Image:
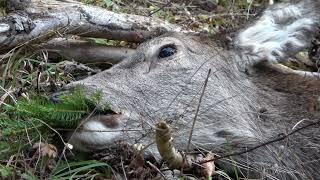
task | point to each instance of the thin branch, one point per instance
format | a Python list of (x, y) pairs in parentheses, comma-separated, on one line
[(163, 6), (124, 172), (155, 168), (89, 130), (197, 111), (264, 144), (85, 51), (249, 7)]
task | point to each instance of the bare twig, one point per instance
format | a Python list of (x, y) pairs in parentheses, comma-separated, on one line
[(265, 143), (249, 7), (124, 172), (155, 168), (197, 111), (90, 130), (7, 92), (163, 6)]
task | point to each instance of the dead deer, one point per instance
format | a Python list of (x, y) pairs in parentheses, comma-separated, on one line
[(248, 99)]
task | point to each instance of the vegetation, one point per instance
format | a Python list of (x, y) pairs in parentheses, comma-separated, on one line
[(210, 16), (28, 124), (31, 146)]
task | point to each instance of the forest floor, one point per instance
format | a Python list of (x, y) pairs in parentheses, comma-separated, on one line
[(30, 148)]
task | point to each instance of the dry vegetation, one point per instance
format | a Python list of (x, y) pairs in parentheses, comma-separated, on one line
[(33, 148)]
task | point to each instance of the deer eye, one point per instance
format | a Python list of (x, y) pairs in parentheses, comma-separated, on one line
[(167, 51)]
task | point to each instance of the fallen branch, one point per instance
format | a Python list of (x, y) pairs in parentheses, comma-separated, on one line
[(85, 51), (37, 19)]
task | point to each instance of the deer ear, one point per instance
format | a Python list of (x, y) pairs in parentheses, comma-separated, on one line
[(282, 31)]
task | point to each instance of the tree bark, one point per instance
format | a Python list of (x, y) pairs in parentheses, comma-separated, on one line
[(31, 21), (85, 51)]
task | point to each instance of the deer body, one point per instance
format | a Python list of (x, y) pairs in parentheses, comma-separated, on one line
[(245, 102)]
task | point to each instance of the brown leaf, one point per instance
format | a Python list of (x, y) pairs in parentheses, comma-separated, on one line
[(208, 167), (45, 149), (138, 161)]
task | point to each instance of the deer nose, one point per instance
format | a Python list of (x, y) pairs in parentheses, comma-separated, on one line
[(111, 121)]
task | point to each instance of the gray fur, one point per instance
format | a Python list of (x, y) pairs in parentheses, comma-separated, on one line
[(239, 109)]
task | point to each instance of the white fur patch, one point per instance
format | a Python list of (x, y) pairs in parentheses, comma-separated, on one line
[(282, 30), (83, 140)]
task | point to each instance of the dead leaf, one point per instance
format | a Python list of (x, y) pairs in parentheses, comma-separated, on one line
[(45, 149), (138, 161), (208, 167)]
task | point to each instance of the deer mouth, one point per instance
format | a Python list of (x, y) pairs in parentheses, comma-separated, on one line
[(98, 131), (109, 119), (108, 115)]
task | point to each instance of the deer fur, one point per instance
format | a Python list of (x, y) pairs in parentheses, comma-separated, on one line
[(240, 108)]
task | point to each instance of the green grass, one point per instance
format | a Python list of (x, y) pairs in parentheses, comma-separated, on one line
[(83, 169)]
